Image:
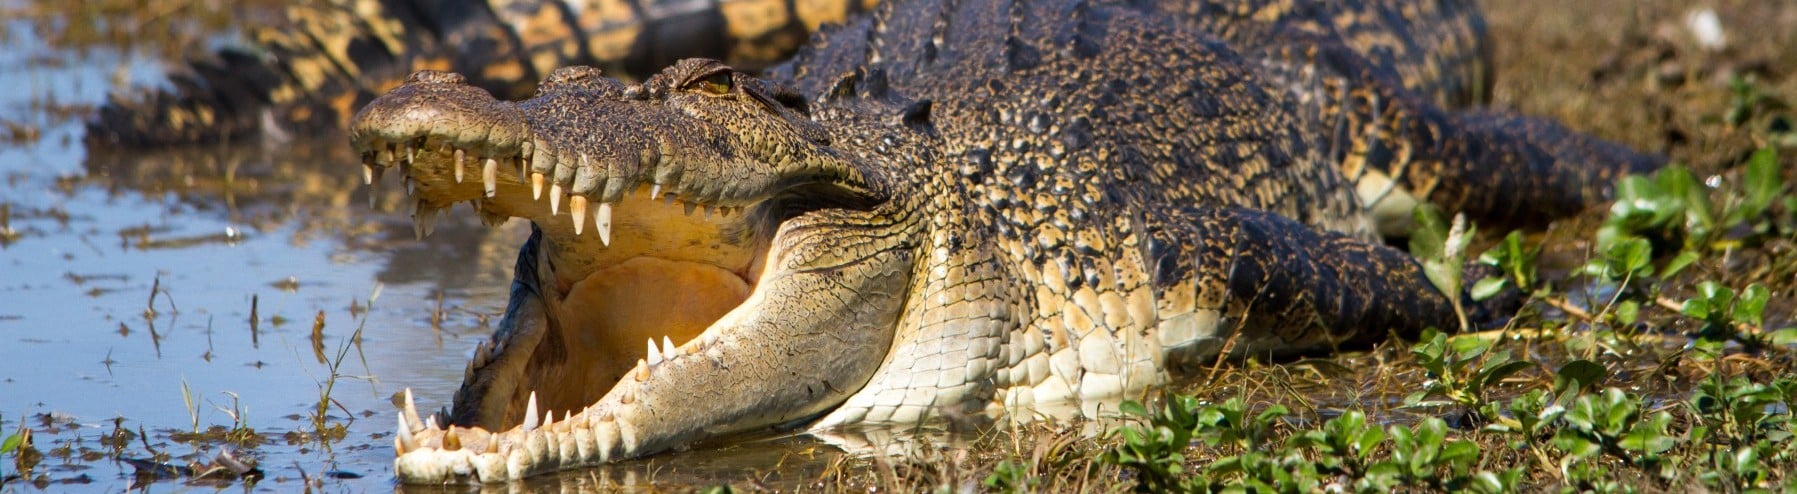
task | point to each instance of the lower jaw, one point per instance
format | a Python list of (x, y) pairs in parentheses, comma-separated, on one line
[(606, 321)]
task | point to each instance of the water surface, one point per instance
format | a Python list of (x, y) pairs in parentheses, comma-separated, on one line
[(223, 286)]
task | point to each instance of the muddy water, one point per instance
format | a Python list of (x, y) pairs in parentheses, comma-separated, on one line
[(222, 287)]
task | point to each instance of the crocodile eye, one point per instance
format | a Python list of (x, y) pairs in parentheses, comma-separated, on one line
[(718, 83)]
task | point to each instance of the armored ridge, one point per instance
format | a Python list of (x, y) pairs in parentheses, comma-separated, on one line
[(333, 56), (1018, 209)]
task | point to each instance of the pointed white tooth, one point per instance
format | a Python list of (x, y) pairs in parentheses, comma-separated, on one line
[(654, 191), (690, 207), (602, 220), (555, 199), (654, 357), (667, 347), (541, 159), (411, 154), (536, 186), (424, 220), (410, 414), (577, 209), (367, 174), (402, 438), (460, 169), (530, 413), (410, 187), (489, 177), (430, 423)]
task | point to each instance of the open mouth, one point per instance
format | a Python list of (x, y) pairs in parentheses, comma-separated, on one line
[(691, 264), (671, 269)]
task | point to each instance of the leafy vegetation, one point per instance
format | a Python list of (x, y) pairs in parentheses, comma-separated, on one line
[(1587, 426)]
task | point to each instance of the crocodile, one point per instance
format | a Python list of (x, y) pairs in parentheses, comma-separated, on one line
[(307, 73), (948, 208)]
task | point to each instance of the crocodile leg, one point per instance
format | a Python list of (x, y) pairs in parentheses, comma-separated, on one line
[(333, 56)]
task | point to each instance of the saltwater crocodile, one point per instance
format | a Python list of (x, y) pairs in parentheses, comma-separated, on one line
[(955, 207)]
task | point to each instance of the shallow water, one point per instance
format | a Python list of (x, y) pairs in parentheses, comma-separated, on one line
[(133, 281)]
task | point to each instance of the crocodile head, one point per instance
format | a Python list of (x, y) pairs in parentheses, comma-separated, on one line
[(703, 212)]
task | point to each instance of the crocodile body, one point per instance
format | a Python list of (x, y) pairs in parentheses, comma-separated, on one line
[(329, 57), (955, 207)]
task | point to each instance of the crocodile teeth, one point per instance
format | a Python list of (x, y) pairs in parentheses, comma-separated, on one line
[(410, 186), (402, 438), (459, 167), (482, 354), (668, 350), (690, 207), (602, 220), (451, 441), (642, 367), (424, 221), (409, 416), (411, 154), (577, 208), (530, 413), (654, 191), (555, 199), (367, 172), (654, 353), (540, 159), (536, 186), (489, 177)]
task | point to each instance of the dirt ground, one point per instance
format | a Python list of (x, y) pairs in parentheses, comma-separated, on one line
[(1634, 72)]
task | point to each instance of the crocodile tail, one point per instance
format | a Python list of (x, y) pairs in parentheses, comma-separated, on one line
[(332, 56)]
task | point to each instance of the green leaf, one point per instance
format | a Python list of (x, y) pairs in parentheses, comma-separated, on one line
[(1489, 287), (1428, 239), (11, 443), (1679, 262), (1751, 306), (1784, 337), (1649, 436), (1762, 181), (1681, 186), (1578, 375), (1697, 308), (1135, 408), (1628, 311), (1497, 373), (1630, 256)]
